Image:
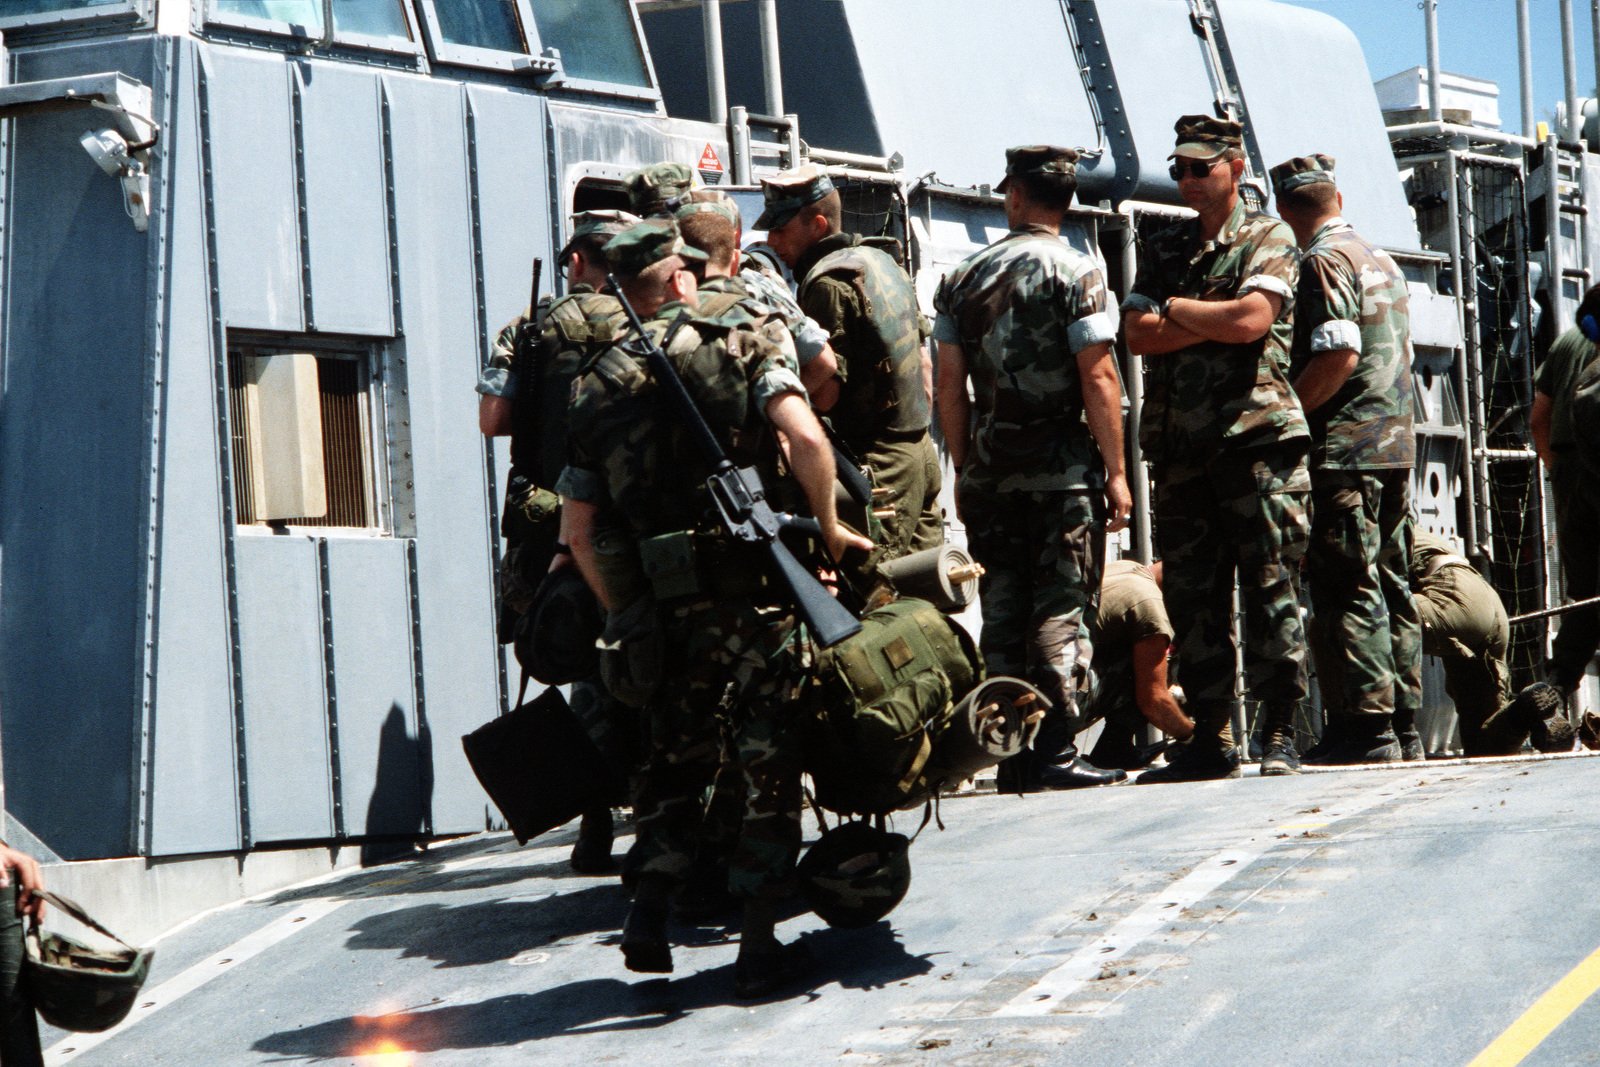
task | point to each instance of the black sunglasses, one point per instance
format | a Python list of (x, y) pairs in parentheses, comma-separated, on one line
[(1194, 168)]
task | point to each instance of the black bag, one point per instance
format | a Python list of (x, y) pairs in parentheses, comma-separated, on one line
[(539, 766)]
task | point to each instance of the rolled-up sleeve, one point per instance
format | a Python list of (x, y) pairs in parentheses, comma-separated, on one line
[(578, 483), (1140, 302), (1335, 336), (1096, 329)]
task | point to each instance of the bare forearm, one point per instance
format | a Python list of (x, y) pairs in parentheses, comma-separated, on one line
[(1233, 322), (1539, 427), (955, 407), (494, 416), (1323, 376), (577, 529), (1149, 334), (1102, 405)]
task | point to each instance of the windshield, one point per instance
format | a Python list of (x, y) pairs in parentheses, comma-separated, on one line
[(596, 39)]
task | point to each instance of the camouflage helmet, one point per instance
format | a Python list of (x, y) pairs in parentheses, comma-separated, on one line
[(855, 874), (75, 987), (555, 638)]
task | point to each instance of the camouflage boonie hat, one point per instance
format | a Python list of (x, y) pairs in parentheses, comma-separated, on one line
[(1204, 137), (658, 188), (1043, 159), (605, 224), (710, 202), (647, 243), (789, 192), (1301, 170)]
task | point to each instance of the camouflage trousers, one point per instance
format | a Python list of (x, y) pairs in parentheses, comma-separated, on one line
[(1464, 624), (1366, 637), (1237, 514), (728, 707), (1577, 519), (1043, 554), (910, 469)]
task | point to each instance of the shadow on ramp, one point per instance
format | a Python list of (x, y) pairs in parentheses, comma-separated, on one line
[(852, 959)]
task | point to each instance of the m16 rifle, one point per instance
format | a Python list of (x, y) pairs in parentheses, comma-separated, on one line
[(740, 497)]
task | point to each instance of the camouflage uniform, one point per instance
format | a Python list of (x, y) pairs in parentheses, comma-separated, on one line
[(1131, 609), (1577, 509), (1228, 440), (1032, 486), (865, 302), (731, 665), (1365, 634), (1464, 624)]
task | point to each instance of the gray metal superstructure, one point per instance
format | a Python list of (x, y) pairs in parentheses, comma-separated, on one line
[(338, 222)]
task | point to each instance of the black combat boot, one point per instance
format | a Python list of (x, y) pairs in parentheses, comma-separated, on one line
[(1278, 755), (644, 936), (1194, 761), (1071, 771), (1359, 739), (591, 853), (765, 965)]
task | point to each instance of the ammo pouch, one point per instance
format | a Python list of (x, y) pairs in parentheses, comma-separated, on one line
[(882, 701), (631, 653)]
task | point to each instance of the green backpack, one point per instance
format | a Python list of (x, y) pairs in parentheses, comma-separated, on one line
[(883, 699)]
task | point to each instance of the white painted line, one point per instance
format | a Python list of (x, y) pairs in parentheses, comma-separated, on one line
[(1085, 964), (224, 962)]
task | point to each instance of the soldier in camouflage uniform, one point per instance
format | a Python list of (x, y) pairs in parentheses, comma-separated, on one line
[(1567, 451), (710, 221), (657, 190), (529, 403), (1028, 320), (1212, 313), (865, 302), (1351, 366), (729, 662)]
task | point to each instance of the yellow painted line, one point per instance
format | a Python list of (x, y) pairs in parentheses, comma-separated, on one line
[(1547, 1013)]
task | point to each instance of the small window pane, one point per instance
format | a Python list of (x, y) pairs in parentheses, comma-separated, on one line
[(596, 38), (490, 24), (371, 18), (40, 7)]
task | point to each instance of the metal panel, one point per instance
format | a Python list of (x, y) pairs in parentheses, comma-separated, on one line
[(73, 468), (511, 180), (380, 758), (193, 803), (346, 204), (920, 76), (1160, 72), (285, 705), (1334, 112), (440, 345), (253, 185)]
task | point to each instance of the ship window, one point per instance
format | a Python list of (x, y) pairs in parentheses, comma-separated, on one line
[(368, 22), (301, 433), (498, 34), (55, 13), (598, 40)]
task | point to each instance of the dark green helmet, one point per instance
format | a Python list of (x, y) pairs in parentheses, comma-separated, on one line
[(855, 874), (554, 639), (75, 987)]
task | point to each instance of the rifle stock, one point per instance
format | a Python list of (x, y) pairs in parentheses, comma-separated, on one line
[(742, 501)]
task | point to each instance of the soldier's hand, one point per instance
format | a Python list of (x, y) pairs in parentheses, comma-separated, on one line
[(1119, 504), (840, 539), (29, 882)]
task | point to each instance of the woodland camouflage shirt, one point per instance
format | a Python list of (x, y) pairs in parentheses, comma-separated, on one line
[(1021, 310), (1215, 394), (1353, 296)]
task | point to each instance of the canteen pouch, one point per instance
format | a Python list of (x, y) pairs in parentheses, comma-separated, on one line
[(669, 563), (631, 653)]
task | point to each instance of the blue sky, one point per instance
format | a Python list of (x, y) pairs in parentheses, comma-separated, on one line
[(1476, 37)]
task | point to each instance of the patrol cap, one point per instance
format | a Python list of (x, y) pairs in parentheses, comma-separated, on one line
[(605, 224), (1042, 159), (647, 243), (711, 202), (1301, 171), (1205, 137), (790, 191), (655, 189)]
